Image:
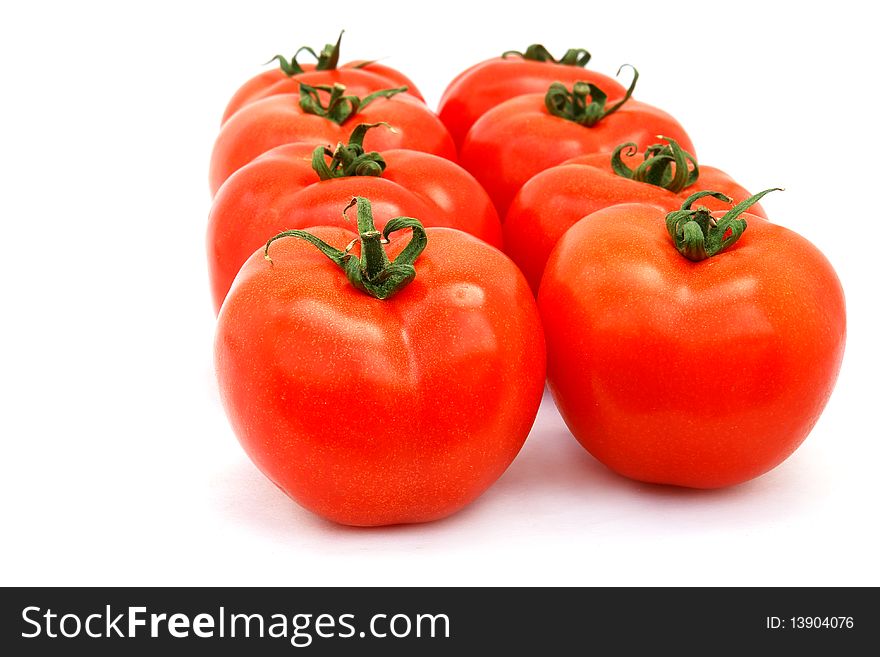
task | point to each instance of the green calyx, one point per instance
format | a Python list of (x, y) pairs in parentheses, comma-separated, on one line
[(573, 105), (372, 272), (698, 235), (327, 60), (538, 53), (340, 108), (666, 165), (351, 159)]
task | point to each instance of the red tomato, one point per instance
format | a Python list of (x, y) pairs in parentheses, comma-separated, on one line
[(694, 373), (521, 137), (375, 412), (483, 86), (359, 77), (281, 190), (284, 119), (554, 200)]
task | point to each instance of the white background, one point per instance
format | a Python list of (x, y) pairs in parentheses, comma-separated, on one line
[(118, 465)]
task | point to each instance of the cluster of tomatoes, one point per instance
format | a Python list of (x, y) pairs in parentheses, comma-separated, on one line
[(394, 287)]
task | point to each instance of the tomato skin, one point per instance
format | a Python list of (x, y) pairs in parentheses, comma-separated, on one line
[(483, 86), (395, 77), (359, 81), (553, 200), (279, 190), (372, 412), (519, 138), (702, 374), (277, 120)]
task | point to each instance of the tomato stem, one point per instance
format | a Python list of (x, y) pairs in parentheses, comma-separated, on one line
[(328, 59), (574, 106), (665, 165), (340, 108), (372, 272), (698, 235), (538, 53), (351, 159)]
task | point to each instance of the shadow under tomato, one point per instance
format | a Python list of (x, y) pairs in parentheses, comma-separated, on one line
[(246, 497), (553, 485), (555, 476)]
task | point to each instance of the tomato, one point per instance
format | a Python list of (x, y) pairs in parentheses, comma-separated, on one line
[(359, 77), (553, 200), (525, 135), (374, 411), (290, 118), (681, 370), (483, 86), (286, 188)]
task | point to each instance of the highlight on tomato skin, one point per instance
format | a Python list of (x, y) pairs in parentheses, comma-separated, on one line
[(664, 174), (678, 356), (361, 77), (519, 138), (486, 84), (325, 115), (304, 184), (380, 386)]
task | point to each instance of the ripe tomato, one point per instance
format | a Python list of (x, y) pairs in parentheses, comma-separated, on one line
[(554, 200), (290, 118), (524, 135), (483, 86), (359, 77), (287, 188), (696, 373), (372, 411)]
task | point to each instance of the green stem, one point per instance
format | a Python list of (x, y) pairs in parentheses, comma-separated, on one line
[(574, 106), (351, 159), (698, 235), (372, 272), (340, 108), (666, 165), (538, 53), (328, 59)]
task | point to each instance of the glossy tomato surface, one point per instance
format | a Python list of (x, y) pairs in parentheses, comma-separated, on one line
[(372, 412), (555, 199), (280, 190), (483, 86), (700, 374), (519, 138), (358, 81), (280, 119)]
